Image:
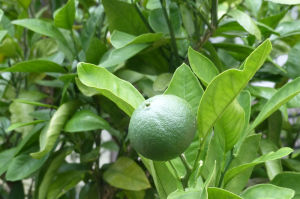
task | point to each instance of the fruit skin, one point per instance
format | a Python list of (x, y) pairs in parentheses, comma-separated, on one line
[(162, 127)]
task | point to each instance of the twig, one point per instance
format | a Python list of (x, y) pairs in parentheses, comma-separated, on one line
[(171, 31), (142, 16)]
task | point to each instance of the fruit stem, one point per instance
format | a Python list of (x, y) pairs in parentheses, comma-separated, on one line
[(175, 171), (188, 169)]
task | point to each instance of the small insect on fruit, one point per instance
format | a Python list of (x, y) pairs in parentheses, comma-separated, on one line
[(162, 127)]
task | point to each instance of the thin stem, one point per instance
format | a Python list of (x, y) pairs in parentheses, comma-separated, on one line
[(192, 6), (171, 31), (174, 169), (226, 168), (188, 169), (185, 163), (142, 16), (214, 13)]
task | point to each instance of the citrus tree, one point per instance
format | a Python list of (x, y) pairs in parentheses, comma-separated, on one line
[(149, 99)]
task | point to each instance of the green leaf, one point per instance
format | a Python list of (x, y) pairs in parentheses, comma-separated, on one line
[(24, 101), (122, 39), (36, 66), (5, 158), (202, 66), (85, 120), (216, 193), (230, 125), (165, 182), (186, 194), (23, 166), (158, 22), (22, 124), (291, 65), (247, 153), (267, 157), (161, 82), (122, 93), (120, 55), (184, 84), (21, 112), (288, 180), (214, 158), (24, 3), (64, 16), (45, 28), (2, 33), (64, 182), (224, 88), (89, 27), (267, 191), (244, 100), (127, 18), (273, 167), (283, 95), (95, 51), (126, 174), (286, 2), (50, 173), (51, 133), (246, 22)]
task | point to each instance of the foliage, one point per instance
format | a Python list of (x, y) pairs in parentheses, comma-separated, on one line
[(72, 72)]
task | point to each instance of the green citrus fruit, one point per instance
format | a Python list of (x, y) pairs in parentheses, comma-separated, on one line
[(162, 127)]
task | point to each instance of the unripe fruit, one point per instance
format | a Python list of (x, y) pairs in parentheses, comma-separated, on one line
[(162, 127)]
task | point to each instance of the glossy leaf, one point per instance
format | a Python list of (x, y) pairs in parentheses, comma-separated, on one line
[(126, 19), (246, 22), (161, 82), (121, 39), (225, 88), (247, 153), (36, 66), (21, 112), (287, 2), (122, 93), (45, 28), (24, 101), (56, 124), (268, 191), (5, 157), (289, 180), (22, 124), (267, 157), (283, 95), (184, 84), (120, 55), (126, 174), (64, 182), (230, 125), (159, 24), (214, 158), (85, 120), (202, 66), (165, 182), (216, 193), (291, 65), (244, 100), (186, 194), (64, 16), (50, 173), (273, 167), (23, 166)]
